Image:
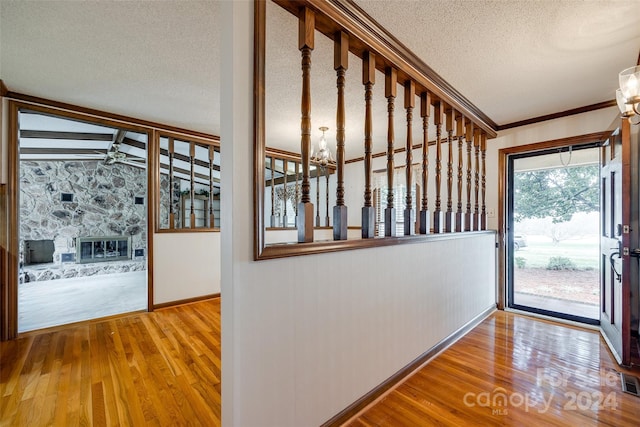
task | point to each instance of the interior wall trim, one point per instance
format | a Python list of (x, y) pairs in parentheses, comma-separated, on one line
[(396, 379), (561, 114), (105, 114), (186, 301), (3, 89), (502, 195)]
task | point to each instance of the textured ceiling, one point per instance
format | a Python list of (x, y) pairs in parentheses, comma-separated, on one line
[(159, 60), (156, 60), (519, 59)]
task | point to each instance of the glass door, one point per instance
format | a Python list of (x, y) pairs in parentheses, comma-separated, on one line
[(553, 232)]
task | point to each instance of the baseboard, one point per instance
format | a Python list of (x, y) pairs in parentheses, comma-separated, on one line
[(350, 411), (185, 301)]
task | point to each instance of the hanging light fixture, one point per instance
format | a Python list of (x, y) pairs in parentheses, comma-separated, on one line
[(323, 155), (628, 96)]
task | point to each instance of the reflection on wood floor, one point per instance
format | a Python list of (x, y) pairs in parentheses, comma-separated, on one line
[(513, 370), (163, 369), (160, 368)]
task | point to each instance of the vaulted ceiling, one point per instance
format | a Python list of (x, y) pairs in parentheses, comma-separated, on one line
[(159, 61)]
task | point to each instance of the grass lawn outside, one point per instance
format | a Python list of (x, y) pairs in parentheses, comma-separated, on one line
[(584, 252)]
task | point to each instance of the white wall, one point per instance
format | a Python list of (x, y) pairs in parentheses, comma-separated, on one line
[(304, 337), (185, 265)]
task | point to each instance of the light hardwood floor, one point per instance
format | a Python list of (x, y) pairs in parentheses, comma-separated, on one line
[(157, 369), (513, 370), (163, 369)]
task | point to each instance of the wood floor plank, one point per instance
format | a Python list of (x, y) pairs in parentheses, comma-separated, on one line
[(147, 369), (513, 370)]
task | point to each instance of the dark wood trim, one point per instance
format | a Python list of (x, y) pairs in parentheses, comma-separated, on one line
[(188, 230), (4, 270), (10, 318), (81, 136), (3, 89), (185, 301), (367, 34), (259, 148), (153, 197), (299, 249), (396, 151), (502, 194), (566, 113), (352, 410), (99, 114)]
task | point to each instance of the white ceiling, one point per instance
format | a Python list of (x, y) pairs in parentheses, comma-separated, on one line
[(158, 60)]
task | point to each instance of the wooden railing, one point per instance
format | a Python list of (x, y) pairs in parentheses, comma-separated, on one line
[(440, 105)]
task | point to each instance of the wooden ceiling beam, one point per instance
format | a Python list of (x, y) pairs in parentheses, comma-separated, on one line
[(78, 136)]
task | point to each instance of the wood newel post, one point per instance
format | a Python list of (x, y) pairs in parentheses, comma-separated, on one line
[(306, 29), (318, 171), (469, 138), (460, 128), (368, 80), (476, 205), (483, 215), (449, 216), (438, 217), (425, 107), (390, 90), (326, 192), (409, 104), (340, 64)]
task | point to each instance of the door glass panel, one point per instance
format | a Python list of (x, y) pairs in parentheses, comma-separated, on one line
[(554, 233)]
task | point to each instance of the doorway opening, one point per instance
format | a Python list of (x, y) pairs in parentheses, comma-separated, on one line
[(82, 220), (553, 232)]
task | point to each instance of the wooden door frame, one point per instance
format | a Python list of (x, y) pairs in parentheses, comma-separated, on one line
[(9, 289), (503, 154)]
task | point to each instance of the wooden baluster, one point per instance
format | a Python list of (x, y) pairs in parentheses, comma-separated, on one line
[(476, 206), (212, 221), (425, 107), (469, 138), (297, 200), (172, 215), (192, 192), (273, 192), (306, 29), (340, 64), (390, 88), (326, 191), (449, 217), (318, 172), (368, 80), (483, 215), (438, 217), (460, 134), (285, 194), (409, 104)]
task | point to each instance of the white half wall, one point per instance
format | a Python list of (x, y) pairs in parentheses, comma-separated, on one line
[(304, 337), (185, 266)]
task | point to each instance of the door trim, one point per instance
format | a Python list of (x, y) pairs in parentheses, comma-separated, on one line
[(503, 154), (9, 290)]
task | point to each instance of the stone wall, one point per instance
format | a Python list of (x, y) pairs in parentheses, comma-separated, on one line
[(103, 202)]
